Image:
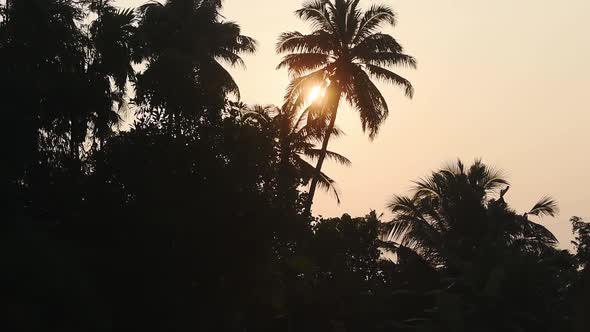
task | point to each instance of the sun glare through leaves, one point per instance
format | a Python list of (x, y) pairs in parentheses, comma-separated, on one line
[(315, 93)]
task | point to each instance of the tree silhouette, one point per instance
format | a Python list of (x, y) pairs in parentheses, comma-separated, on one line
[(183, 43), (112, 35), (194, 217), (457, 219), (342, 53), (457, 210)]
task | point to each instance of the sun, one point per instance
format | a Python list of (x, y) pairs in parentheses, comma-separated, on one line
[(314, 94)]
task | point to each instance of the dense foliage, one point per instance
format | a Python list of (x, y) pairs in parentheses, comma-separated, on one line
[(196, 218)]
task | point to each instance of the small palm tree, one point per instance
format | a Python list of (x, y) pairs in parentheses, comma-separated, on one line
[(296, 134), (455, 211), (343, 53)]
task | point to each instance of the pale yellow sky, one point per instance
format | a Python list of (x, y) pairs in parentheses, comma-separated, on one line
[(504, 80)]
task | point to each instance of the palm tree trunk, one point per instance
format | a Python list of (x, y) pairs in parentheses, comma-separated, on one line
[(332, 104)]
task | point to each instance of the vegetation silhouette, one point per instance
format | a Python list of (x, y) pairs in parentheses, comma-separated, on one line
[(196, 219)]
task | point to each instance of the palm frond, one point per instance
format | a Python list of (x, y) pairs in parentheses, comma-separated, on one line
[(228, 37), (373, 19), (388, 59), (301, 63), (218, 77), (541, 233), (377, 42), (409, 225), (316, 13), (367, 100), (546, 206), (301, 119), (318, 41), (245, 44), (324, 181), (229, 58), (391, 77), (485, 177), (126, 16), (262, 113), (428, 187), (353, 18), (530, 236), (402, 204), (316, 153), (329, 185)]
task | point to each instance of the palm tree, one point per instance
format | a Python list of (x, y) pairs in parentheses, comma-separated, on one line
[(296, 134), (342, 54), (112, 35), (456, 211), (183, 43)]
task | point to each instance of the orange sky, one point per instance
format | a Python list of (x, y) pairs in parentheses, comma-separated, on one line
[(503, 80)]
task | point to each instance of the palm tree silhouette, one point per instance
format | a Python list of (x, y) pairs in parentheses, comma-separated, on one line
[(183, 43), (112, 36), (342, 54), (455, 211), (297, 134)]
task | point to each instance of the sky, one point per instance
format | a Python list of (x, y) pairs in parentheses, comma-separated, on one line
[(506, 81)]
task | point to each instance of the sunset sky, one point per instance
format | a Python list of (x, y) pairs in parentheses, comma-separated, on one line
[(504, 80)]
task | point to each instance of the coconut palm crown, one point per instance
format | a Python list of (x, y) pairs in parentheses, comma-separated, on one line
[(458, 213)]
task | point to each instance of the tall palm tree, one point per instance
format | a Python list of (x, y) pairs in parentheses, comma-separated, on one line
[(297, 134), (455, 211), (343, 53), (184, 43)]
